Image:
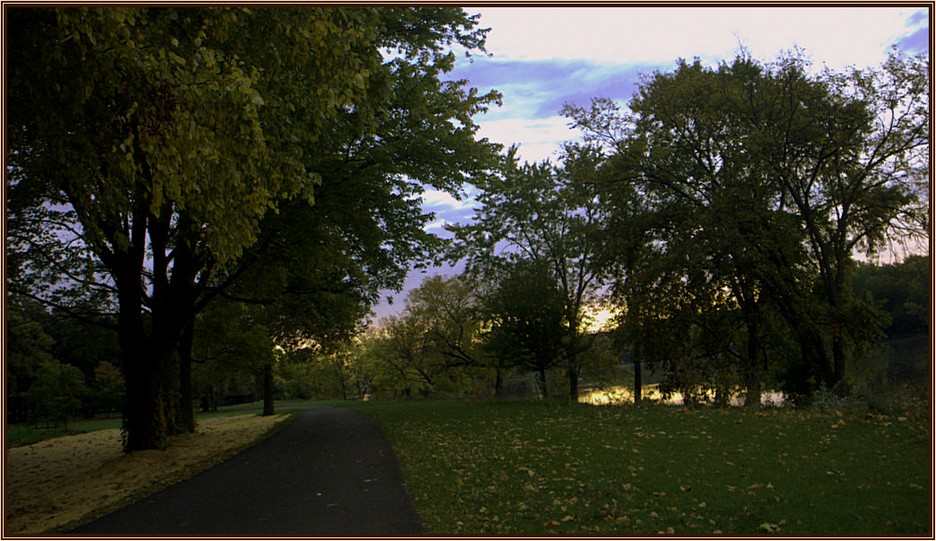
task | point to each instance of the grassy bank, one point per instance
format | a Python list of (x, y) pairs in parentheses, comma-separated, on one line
[(537, 468), (27, 433)]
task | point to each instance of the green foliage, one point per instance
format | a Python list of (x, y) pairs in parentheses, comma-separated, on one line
[(550, 215), (527, 313), (27, 350), (83, 344), (57, 392), (741, 192), (177, 136), (322, 374), (107, 390), (538, 468), (230, 350), (448, 309), (434, 347), (901, 288)]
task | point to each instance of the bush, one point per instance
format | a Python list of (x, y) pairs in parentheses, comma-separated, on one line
[(57, 392)]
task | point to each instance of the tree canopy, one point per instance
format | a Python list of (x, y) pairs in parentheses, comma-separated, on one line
[(753, 185), (147, 180)]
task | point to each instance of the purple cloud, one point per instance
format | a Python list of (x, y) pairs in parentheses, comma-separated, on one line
[(918, 42), (545, 85)]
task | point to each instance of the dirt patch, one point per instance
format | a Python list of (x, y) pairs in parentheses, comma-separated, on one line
[(57, 484)]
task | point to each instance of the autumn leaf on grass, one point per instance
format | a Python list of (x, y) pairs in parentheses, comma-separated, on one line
[(770, 527)]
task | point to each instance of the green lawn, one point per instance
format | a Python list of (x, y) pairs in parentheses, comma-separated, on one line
[(537, 468), (24, 434)]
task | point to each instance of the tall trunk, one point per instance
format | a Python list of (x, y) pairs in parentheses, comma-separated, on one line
[(542, 380), (838, 358), (145, 424), (572, 350), (753, 374), (208, 399), (144, 362), (498, 382), (752, 319), (838, 294), (638, 382), (268, 406), (185, 413), (343, 383), (813, 351)]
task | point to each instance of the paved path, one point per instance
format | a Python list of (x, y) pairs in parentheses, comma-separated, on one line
[(330, 472)]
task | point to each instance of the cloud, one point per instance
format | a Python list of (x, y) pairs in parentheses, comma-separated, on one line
[(539, 138), (836, 36), (539, 88), (917, 42), (546, 57), (439, 201), (447, 210)]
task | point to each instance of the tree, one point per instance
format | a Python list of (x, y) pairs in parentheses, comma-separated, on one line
[(230, 352), (704, 208), (546, 214), (850, 152), (108, 388), (448, 309), (527, 312), (57, 392), (28, 348), (761, 181), (901, 288), (175, 137)]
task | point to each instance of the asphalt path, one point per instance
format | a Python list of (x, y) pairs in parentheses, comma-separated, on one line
[(329, 472)]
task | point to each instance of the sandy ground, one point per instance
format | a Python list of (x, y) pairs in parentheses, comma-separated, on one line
[(56, 484)]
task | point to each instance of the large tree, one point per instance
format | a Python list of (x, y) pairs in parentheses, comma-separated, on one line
[(762, 181), (526, 314), (850, 153), (550, 215), (147, 177)]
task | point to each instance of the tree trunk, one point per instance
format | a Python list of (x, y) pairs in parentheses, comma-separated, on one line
[(498, 383), (573, 384), (638, 382), (145, 425), (752, 398), (542, 379), (185, 413), (145, 362), (838, 359), (268, 406)]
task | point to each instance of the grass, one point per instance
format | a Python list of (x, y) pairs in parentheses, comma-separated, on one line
[(536, 468), (27, 433), (541, 468)]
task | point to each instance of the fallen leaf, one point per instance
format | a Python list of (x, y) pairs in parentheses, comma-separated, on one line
[(770, 527)]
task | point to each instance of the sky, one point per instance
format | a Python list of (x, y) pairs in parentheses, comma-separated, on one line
[(543, 57)]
